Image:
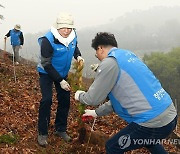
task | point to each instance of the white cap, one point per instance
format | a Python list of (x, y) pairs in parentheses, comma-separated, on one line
[(64, 20)]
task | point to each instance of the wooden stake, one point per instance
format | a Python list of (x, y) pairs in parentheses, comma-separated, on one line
[(80, 71), (4, 54)]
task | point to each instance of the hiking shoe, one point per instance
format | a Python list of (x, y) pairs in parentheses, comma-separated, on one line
[(64, 135), (42, 140)]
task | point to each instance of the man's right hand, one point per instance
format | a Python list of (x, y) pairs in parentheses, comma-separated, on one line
[(65, 85), (5, 37), (78, 92)]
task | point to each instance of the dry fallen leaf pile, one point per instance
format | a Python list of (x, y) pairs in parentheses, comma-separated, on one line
[(19, 102)]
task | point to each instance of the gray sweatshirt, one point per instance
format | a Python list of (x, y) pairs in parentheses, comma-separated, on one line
[(105, 79)]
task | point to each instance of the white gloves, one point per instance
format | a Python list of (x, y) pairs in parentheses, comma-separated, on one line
[(5, 37), (78, 92), (90, 113), (94, 67), (20, 47), (79, 58), (65, 85)]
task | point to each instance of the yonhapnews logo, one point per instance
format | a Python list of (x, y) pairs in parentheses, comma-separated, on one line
[(124, 141)]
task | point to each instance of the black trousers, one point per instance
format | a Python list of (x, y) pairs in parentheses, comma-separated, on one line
[(135, 136), (63, 97)]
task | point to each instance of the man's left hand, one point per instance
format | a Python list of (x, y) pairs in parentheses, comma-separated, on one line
[(90, 113)]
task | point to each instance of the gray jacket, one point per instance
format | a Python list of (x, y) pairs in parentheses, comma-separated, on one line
[(105, 79)]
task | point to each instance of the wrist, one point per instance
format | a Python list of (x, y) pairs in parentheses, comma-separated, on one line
[(95, 113), (98, 113)]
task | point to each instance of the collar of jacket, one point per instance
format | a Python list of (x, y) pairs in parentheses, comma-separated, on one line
[(62, 40)]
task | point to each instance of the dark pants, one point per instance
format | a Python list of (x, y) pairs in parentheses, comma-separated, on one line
[(63, 97), (135, 136)]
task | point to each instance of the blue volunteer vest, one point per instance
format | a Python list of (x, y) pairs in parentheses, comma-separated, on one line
[(62, 55), (137, 95), (15, 40)]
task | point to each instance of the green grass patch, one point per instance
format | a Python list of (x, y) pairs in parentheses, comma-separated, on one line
[(9, 138)]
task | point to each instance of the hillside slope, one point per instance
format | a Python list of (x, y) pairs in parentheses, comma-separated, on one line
[(19, 103)]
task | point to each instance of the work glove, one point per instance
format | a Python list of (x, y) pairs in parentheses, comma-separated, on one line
[(5, 37), (94, 67), (20, 47), (90, 113), (65, 85), (78, 92), (79, 58)]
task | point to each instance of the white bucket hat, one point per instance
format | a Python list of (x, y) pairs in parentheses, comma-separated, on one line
[(64, 20), (17, 27)]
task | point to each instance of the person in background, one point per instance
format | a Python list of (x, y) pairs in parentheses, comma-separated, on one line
[(134, 93), (58, 47), (17, 41)]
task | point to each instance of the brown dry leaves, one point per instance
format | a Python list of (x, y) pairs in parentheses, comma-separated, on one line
[(19, 104)]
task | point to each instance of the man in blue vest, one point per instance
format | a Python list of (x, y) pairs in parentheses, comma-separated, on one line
[(134, 93), (17, 41), (58, 47)]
